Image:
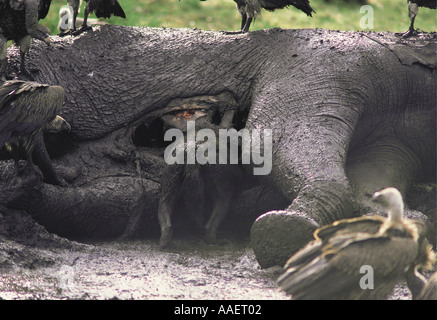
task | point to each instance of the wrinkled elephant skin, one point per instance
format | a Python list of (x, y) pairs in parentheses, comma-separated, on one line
[(351, 112)]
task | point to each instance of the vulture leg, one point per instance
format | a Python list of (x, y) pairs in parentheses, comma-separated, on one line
[(3, 58), (72, 30), (243, 21), (85, 26), (42, 159), (413, 9), (24, 44), (30, 167), (247, 25), (16, 158), (75, 6)]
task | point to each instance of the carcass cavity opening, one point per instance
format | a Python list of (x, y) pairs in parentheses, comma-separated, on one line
[(150, 135), (207, 111), (58, 144)]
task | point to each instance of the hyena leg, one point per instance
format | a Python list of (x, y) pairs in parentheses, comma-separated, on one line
[(164, 218), (170, 184), (219, 213)]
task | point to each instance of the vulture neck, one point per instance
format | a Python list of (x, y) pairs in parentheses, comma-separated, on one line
[(396, 212), (395, 221)]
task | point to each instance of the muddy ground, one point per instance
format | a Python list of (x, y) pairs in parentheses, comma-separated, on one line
[(137, 269), (36, 264)]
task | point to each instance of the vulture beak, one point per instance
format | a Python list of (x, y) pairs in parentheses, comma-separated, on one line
[(378, 198)]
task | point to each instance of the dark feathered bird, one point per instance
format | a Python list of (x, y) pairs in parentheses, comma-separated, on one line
[(413, 9), (330, 267), (250, 9), (19, 22), (27, 108), (101, 8)]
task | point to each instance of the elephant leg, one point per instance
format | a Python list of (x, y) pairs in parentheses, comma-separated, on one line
[(384, 163), (309, 166)]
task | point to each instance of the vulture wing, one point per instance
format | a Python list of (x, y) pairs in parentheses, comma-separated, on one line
[(303, 5), (335, 273), (26, 106), (44, 7)]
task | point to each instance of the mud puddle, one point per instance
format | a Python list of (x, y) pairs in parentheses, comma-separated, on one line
[(139, 270)]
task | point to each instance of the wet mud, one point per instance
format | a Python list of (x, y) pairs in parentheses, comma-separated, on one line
[(139, 270), (134, 270)]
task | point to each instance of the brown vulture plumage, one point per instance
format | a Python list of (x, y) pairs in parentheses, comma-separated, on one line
[(101, 8), (250, 9), (19, 22), (26, 109), (330, 267)]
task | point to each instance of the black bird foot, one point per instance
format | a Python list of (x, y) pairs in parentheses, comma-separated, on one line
[(81, 30), (234, 32), (67, 33), (409, 33)]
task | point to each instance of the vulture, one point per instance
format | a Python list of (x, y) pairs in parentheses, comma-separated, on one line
[(101, 8), (19, 22), (26, 109), (250, 9), (413, 9), (360, 258)]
